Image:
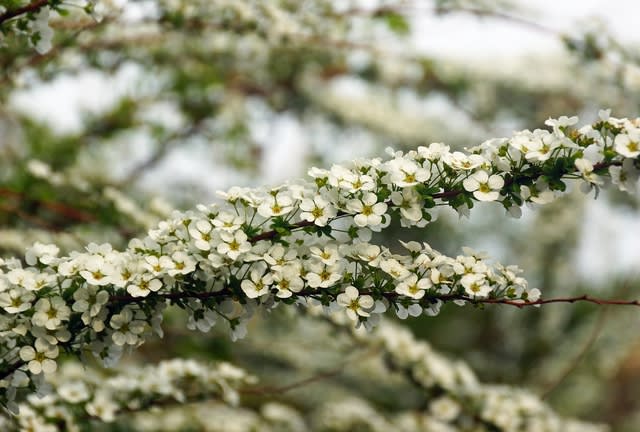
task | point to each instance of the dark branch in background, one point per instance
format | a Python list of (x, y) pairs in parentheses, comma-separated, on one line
[(319, 376), (162, 150), (595, 332), (56, 207), (30, 8)]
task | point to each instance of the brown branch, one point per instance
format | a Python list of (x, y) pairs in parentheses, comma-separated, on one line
[(391, 295), (56, 207), (11, 369), (485, 13), (269, 390), (595, 332), (31, 7)]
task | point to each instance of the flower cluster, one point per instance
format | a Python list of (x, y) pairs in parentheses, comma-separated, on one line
[(455, 399), (300, 242), (78, 394), (458, 398), (31, 19)]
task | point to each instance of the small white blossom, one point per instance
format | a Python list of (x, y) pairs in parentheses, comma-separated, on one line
[(258, 284), (628, 144), (275, 205), (368, 210), (127, 329), (50, 312), (475, 285), (317, 210), (413, 287), (406, 173), (355, 304), (16, 300), (233, 244), (40, 357), (484, 186)]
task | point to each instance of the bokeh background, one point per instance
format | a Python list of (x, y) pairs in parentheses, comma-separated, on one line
[(160, 103)]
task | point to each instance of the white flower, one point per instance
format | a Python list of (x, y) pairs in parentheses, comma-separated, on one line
[(278, 257), (585, 167), (125, 271), (45, 253), (200, 318), (434, 151), (200, 231), (410, 204), (143, 284), (238, 331), (483, 186), (22, 278), (369, 253), (182, 264), (233, 244), (413, 287), (50, 312), (538, 193), (394, 268), (368, 210), (258, 284), (287, 281), (625, 177), (460, 161), (103, 407), (628, 144), (40, 357), (323, 276), (89, 300), (563, 121), (414, 310), (541, 148), (317, 210), (354, 303), (275, 205), (97, 271), (475, 285), (157, 265), (127, 330), (329, 255), (444, 409), (73, 392), (405, 173), (227, 221), (42, 31), (352, 182), (16, 300)]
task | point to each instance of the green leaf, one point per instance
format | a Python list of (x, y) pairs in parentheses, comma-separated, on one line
[(397, 23)]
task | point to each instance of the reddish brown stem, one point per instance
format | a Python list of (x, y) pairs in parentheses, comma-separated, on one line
[(31, 7)]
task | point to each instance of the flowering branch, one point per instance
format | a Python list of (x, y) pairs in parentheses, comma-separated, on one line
[(305, 242), (455, 397), (84, 394)]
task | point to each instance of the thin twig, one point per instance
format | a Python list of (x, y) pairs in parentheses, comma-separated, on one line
[(31, 7), (595, 333), (268, 390)]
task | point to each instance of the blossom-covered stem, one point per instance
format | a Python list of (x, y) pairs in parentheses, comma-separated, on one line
[(444, 195), (125, 299), (218, 260)]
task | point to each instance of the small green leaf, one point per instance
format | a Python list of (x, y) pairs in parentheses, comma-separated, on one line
[(397, 23)]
